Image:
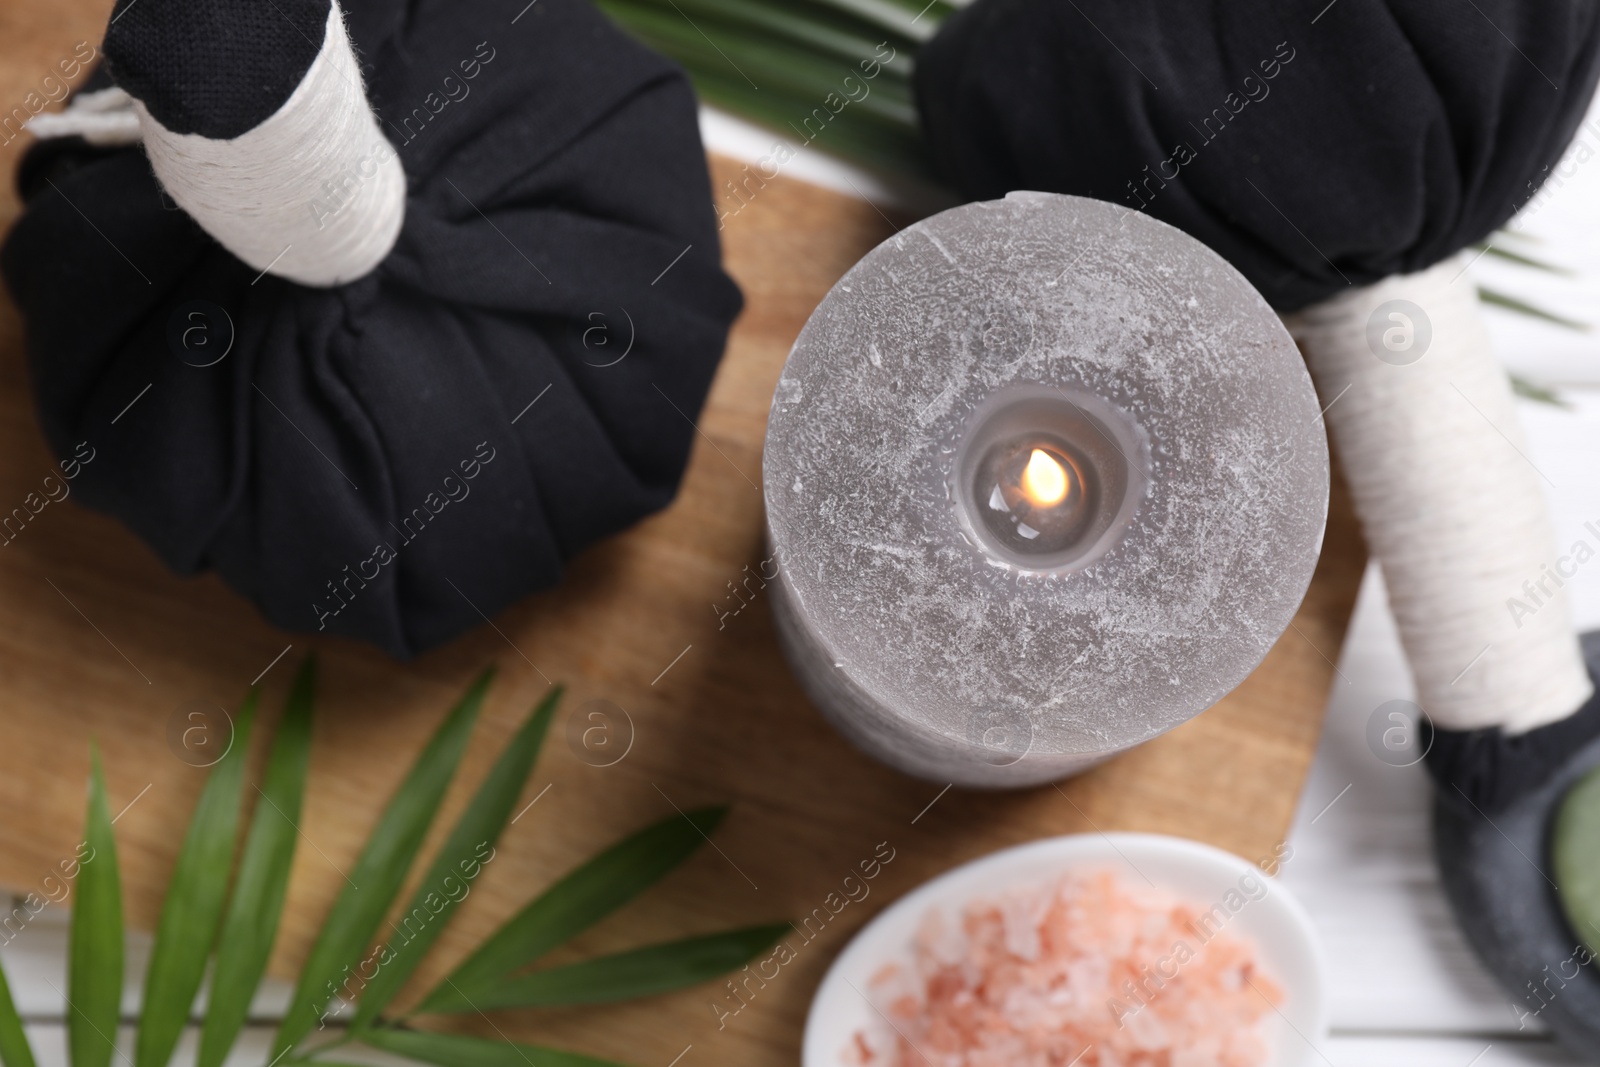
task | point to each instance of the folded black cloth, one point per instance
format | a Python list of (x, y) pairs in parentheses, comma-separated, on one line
[(1313, 145), (396, 458), (1486, 772)]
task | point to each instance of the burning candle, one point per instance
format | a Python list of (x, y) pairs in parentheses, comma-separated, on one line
[(1044, 479), (1046, 475)]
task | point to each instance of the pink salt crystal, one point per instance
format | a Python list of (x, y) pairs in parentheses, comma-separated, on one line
[(1089, 970)]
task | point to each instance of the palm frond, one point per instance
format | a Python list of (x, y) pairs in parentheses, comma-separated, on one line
[(251, 924), (459, 861), (14, 1048), (94, 952), (372, 884), (1538, 393), (1495, 298), (575, 903), (203, 923), (192, 912)]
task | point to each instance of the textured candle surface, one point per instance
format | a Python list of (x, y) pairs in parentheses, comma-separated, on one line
[(919, 643)]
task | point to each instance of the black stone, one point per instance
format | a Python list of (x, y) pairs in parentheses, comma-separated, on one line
[(1500, 882)]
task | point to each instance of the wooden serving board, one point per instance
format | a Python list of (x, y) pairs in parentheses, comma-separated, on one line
[(98, 641)]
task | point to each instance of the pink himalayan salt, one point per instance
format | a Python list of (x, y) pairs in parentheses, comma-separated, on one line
[(1091, 971)]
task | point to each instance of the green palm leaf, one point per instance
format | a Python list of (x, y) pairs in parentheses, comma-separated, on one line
[(821, 32), (909, 19), (705, 46), (1542, 394), (193, 907), (479, 827), (449, 1050), (892, 149), (14, 1048), (1495, 298), (251, 923), (193, 920), (1524, 260), (94, 955), (375, 880), (578, 901), (800, 52), (643, 972)]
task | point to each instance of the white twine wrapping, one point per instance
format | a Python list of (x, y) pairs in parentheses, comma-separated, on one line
[(104, 117), (315, 194), (1450, 502)]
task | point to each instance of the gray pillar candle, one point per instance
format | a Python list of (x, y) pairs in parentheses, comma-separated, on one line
[(1044, 479)]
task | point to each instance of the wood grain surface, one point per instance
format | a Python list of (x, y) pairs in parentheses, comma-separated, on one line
[(98, 641)]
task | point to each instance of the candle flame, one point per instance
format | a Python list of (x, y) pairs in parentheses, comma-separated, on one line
[(1044, 481)]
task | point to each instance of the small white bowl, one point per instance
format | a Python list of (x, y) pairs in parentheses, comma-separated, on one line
[(1275, 923)]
